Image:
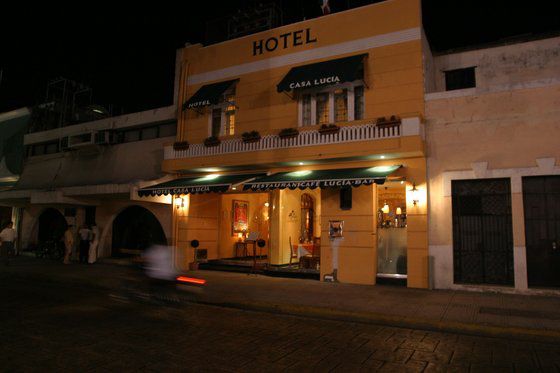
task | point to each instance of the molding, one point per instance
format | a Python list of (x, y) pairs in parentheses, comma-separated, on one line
[(309, 55), (545, 166), (479, 91)]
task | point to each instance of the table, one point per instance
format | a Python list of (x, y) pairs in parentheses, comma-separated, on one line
[(241, 245), (305, 249)]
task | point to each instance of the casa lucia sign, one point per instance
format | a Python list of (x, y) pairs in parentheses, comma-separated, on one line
[(315, 82)]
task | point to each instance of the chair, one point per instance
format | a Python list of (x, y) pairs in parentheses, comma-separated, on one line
[(293, 253), (316, 246)]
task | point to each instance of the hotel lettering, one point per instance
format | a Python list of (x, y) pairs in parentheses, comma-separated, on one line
[(284, 41)]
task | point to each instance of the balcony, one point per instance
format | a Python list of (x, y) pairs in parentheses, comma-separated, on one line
[(308, 143), (311, 137)]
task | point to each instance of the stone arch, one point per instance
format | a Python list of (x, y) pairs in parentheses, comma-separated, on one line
[(50, 225), (134, 229)]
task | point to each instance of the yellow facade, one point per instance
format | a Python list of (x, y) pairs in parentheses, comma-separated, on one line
[(390, 34)]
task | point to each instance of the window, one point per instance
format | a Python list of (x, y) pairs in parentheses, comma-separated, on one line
[(342, 103), (460, 79), (222, 115), (166, 130), (131, 135), (230, 116), (322, 114), (216, 122), (149, 133), (358, 102), (306, 110)]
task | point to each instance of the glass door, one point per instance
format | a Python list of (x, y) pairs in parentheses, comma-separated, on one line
[(391, 231)]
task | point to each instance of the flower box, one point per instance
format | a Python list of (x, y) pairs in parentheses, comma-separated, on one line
[(391, 122), (288, 133), (252, 136), (212, 141), (180, 145), (328, 129)]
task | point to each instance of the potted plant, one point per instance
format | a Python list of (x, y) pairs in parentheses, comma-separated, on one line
[(326, 129), (252, 136), (212, 141), (384, 122), (288, 133), (180, 145)]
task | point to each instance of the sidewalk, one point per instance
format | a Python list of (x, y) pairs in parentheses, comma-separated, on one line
[(527, 317)]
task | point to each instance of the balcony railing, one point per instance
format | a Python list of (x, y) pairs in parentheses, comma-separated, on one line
[(346, 134)]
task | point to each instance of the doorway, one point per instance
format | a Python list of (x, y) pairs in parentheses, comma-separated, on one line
[(482, 232), (391, 233), (541, 202), (134, 230), (52, 225)]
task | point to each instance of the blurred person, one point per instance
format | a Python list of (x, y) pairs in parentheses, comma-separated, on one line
[(7, 239), (85, 238), (159, 263), (68, 244), (92, 255)]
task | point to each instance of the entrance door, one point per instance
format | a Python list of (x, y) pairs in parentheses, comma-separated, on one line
[(482, 232), (541, 201)]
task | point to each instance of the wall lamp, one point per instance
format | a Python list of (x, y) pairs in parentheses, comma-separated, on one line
[(415, 194), (179, 202)]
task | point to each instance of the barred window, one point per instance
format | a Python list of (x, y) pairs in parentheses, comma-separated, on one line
[(341, 105), (322, 108)]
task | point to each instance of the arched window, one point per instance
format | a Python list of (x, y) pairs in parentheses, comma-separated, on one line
[(306, 230)]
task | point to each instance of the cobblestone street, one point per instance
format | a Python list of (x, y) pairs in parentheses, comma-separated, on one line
[(65, 327)]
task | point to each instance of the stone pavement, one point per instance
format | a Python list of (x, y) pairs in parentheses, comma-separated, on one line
[(528, 317), (72, 326)]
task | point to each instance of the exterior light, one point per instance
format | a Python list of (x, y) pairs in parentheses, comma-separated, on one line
[(210, 177), (301, 173), (179, 202), (415, 194)]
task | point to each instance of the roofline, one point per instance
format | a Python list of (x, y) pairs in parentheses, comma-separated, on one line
[(516, 39)]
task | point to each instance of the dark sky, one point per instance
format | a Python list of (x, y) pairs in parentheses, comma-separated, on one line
[(127, 55)]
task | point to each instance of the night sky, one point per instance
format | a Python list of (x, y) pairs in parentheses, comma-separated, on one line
[(127, 56)]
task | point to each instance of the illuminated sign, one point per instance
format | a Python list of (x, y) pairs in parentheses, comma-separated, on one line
[(284, 41)]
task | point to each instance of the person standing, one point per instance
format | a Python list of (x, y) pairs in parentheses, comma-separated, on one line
[(68, 244), (7, 239), (85, 237), (92, 257)]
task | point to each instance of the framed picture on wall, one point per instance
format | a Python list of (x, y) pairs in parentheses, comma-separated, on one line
[(240, 212)]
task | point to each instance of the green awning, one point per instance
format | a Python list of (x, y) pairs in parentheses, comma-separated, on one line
[(193, 185), (209, 94), (338, 178), (319, 74)]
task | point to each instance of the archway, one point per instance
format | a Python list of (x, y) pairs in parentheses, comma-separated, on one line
[(135, 229), (52, 225)]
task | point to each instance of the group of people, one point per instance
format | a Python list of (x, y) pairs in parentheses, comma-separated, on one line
[(87, 248), (8, 237)]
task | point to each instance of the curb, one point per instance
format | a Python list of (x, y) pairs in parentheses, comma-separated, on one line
[(492, 331)]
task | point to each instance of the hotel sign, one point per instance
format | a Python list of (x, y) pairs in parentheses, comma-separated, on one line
[(315, 82), (283, 41)]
